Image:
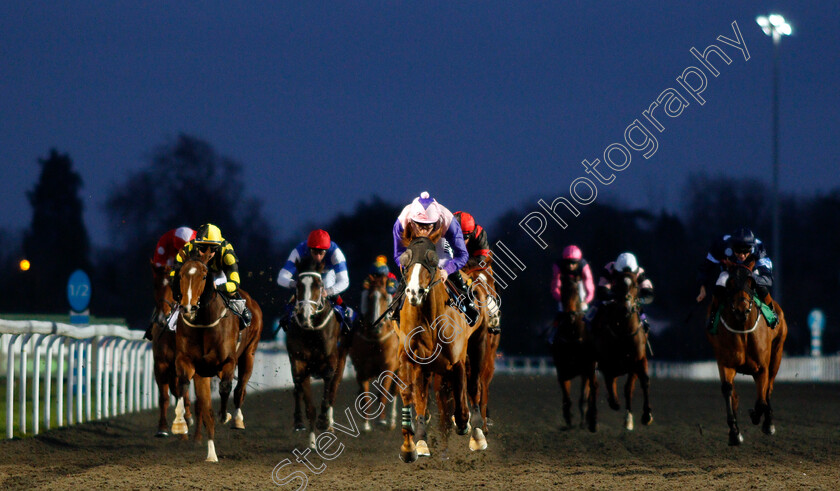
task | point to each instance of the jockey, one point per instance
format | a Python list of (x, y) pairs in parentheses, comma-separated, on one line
[(425, 217), (740, 247), (573, 264), (169, 244), (336, 279), (222, 263), (378, 268), (625, 262), (165, 251), (478, 248)]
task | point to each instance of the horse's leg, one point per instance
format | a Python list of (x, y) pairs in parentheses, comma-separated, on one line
[(462, 413), (584, 397), (383, 399), (300, 378), (612, 392), (185, 372), (592, 402), (325, 422), (644, 381), (727, 377), (421, 401), (364, 386), (408, 450), (566, 388), (486, 377), (246, 366), (162, 380), (761, 406), (628, 399), (775, 360), (225, 387), (204, 409)]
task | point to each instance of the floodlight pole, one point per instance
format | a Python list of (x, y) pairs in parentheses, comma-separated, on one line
[(777, 242)]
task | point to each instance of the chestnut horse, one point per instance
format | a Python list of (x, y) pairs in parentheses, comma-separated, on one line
[(433, 341), (374, 349), (482, 347), (208, 343), (747, 345), (163, 349), (573, 352), (620, 347), (316, 347)]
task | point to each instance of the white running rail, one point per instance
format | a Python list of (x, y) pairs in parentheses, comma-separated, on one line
[(100, 371)]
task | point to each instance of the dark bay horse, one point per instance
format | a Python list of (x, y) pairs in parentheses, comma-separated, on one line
[(374, 349), (433, 341), (163, 349), (573, 352), (744, 343), (313, 340), (208, 344), (620, 347)]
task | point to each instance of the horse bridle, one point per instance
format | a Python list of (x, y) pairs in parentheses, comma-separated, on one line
[(750, 304), (198, 306), (318, 307), (432, 270)]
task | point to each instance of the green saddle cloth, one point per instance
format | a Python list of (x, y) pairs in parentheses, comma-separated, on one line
[(766, 311)]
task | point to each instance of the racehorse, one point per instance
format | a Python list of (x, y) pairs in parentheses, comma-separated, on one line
[(163, 349), (482, 346), (374, 349), (433, 339), (620, 347), (573, 352), (208, 343), (316, 347), (747, 345)]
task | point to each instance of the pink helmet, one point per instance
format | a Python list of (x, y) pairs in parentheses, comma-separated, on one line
[(424, 209), (572, 252)]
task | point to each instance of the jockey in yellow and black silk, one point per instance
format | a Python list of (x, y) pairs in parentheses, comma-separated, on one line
[(223, 264)]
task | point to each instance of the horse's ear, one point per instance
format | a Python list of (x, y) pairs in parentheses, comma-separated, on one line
[(431, 257), (405, 258)]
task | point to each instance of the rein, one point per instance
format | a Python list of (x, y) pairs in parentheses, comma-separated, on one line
[(319, 306), (212, 324)]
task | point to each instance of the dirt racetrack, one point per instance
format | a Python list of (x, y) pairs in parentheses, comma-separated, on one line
[(684, 448)]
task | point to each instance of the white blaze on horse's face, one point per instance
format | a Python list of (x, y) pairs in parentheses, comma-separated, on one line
[(413, 290), (376, 296), (627, 303), (306, 282)]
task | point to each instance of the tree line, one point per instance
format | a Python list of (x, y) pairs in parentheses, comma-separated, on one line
[(202, 186)]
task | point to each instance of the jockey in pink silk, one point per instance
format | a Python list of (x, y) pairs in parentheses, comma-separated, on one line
[(573, 264)]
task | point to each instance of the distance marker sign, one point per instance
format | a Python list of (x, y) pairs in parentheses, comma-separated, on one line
[(78, 291)]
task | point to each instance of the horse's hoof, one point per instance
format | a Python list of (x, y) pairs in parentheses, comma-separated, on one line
[(383, 422), (321, 424), (238, 424), (312, 440), (408, 457), (179, 428), (614, 405), (422, 449), (769, 430), (593, 427), (211, 452), (226, 419), (477, 440), (647, 419), (162, 434), (755, 416), (300, 427), (735, 439), (628, 421), (367, 428), (464, 430), (191, 421)]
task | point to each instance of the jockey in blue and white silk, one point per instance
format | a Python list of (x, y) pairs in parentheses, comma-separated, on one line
[(336, 279)]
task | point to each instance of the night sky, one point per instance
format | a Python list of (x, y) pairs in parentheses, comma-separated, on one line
[(488, 105)]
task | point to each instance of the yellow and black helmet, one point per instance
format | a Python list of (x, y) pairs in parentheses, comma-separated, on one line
[(209, 234)]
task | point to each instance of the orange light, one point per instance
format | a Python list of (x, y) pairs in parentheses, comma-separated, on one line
[(24, 265)]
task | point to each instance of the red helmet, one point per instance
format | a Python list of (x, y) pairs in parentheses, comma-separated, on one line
[(318, 239), (467, 222), (572, 252)]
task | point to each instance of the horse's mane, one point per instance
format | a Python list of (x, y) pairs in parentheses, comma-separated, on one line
[(410, 233), (740, 277), (309, 263)]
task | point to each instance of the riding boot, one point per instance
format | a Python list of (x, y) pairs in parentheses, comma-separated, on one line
[(286, 315), (463, 301), (238, 306), (148, 333), (717, 295)]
